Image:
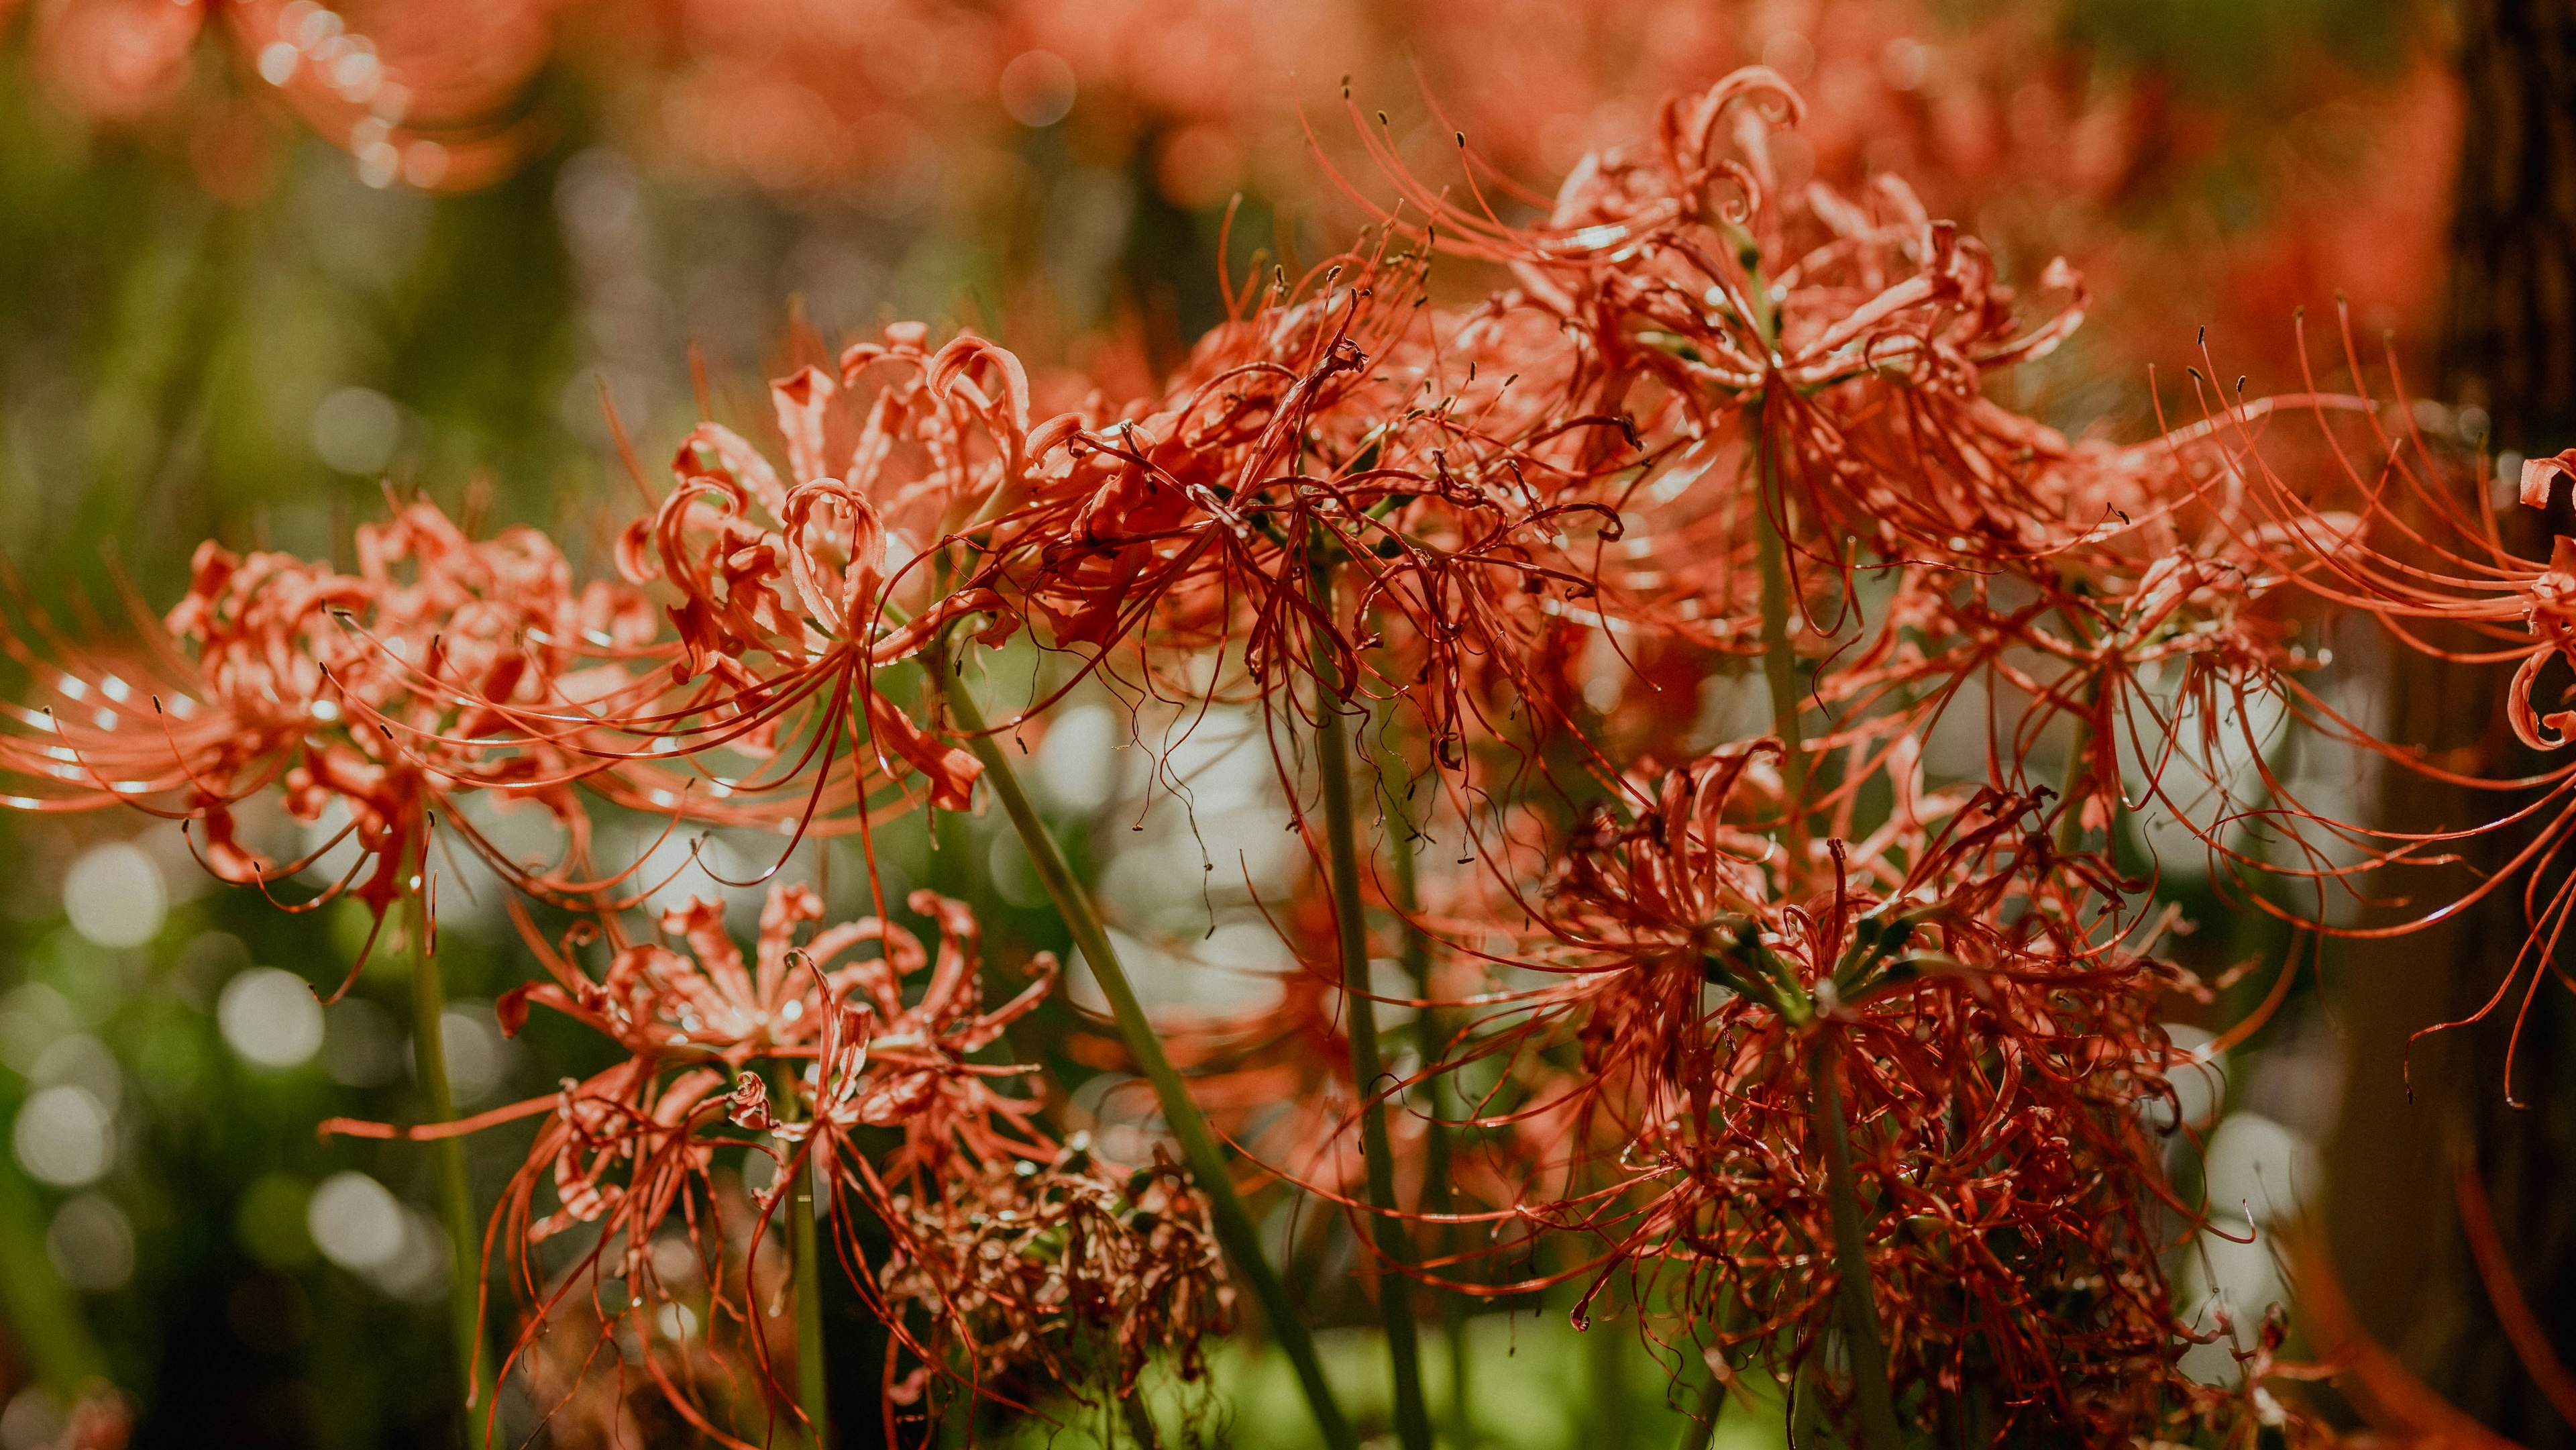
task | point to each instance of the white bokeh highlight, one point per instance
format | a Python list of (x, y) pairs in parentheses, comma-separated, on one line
[(91, 1245), (359, 1225), (115, 896), (2259, 1169), (270, 1018), (64, 1136), (355, 430)]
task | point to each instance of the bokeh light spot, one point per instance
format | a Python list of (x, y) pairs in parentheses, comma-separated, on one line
[(115, 896), (270, 1017), (1037, 88)]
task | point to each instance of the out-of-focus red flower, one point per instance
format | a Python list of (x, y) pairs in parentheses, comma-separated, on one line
[(433, 97), (115, 61)]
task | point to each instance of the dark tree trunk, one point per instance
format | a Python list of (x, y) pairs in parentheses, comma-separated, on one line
[(2509, 337), (2509, 347)]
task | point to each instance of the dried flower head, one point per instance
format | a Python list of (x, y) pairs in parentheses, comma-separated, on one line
[(1039, 1276)]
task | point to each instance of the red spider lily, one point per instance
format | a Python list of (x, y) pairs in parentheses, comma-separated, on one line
[(629, 1153), (1712, 414), (1339, 469), (382, 693), (1997, 1042), (2420, 552), (1191, 519), (877, 1061), (1808, 367), (1828, 352), (793, 597), (884, 1062), (656, 1001), (624, 1151), (1825, 484)]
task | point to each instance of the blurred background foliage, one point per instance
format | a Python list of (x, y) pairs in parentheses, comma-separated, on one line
[(254, 348)]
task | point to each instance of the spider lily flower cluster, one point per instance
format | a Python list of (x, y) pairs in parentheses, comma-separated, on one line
[(1847, 1068), (374, 701), (1996, 1060)]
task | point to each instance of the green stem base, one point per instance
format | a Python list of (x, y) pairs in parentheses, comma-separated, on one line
[(474, 1366), (1851, 1258), (1341, 844), (1232, 1221)]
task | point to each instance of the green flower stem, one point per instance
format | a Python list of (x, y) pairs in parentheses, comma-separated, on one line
[(43, 1312), (1851, 1245), (1341, 844), (1701, 1427), (1140, 1421), (2070, 821), (1233, 1223), (1779, 657), (812, 1396), (1851, 1256), (1430, 1029), (455, 1191), (1606, 1369)]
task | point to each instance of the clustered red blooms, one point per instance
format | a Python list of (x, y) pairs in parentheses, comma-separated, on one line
[(1709, 423), (373, 702), (1997, 1064), (876, 1095)]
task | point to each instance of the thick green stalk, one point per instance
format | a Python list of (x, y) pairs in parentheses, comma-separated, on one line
[(2070, 821), (43, 1313), (1232, 1221), (1702, 1425), (455, 1191), (1341, 845), (1430, 1035), (1851, 1256), (1140, 1421), (811, 1394), (1606, 1374), (1779, 657)]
